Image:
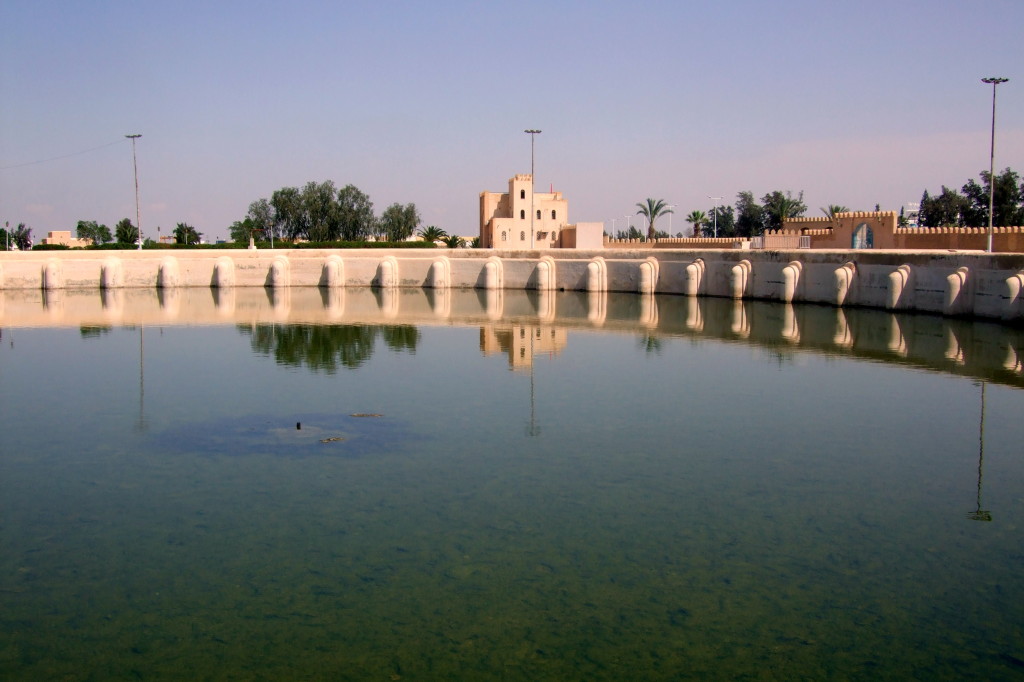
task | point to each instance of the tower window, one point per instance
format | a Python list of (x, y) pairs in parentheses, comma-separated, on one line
[(522, 215), (522, 194), (538, 214), (504, 235), (552, 215), (522, 236)]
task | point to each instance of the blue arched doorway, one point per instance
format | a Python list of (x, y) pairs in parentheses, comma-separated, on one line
[(863, 237)]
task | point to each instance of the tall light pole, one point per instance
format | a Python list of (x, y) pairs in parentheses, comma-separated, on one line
[(670, 208), (533, 133), (715, 213), (135, 166), (629, 224), (992, 158)]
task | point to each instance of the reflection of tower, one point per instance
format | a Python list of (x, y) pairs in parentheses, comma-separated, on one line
[(532, 429), (521, 342), (980, 514)]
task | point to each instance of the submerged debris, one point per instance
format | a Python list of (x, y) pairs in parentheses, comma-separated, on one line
[(366, 414), (332, 439)]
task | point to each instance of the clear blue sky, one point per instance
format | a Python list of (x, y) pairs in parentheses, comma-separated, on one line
[(853, 103)]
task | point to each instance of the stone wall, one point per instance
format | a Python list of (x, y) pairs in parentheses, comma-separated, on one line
[(956, 284)]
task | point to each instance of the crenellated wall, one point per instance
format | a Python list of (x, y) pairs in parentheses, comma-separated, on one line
[(955, 284)]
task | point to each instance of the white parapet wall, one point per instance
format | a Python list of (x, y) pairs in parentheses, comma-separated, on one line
[(971, 284)]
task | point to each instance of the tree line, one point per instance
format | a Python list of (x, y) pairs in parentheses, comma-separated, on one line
[(125, 232), (950, 208), (19, 238), (969, 206), (749, 218), (321, 212)]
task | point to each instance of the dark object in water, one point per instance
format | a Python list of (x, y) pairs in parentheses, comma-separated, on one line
[(264, 434), (366, 414)]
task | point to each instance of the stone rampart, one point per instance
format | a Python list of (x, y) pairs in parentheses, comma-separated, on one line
[(954, 284)]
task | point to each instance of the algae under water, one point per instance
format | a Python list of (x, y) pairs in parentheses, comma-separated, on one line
[(603, 505)]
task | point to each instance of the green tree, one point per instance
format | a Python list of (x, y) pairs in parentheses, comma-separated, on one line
[(779, 206), (186, 234), (1008, 200), (90, 229), (241, 230), (631, 233), (723, 221), (832, 210), (432, 233), (289, 216), (125, 232), (261, 219), (21, 237), (357, 220), (945, 210), (750, 215), (698, 219), (652, 209), (322, 218), (399, 222)]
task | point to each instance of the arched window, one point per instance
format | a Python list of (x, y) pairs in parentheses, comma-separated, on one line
[(538, 214), (522, 215), (522, 236), (522, 194), (552, 214), (504, 236)]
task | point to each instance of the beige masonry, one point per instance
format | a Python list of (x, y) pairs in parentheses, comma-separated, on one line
[(958, 284)]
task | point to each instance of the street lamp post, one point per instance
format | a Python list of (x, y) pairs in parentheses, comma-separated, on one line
[(715, 213), (533, 133), (629, 225), (135, 167), (992, 158), (670, 207)]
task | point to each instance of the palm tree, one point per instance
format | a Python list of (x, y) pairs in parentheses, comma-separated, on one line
[(778, 207), (432, 233), (454, 241), (21, 237), (832, 210), (697, 219), (186, 234), (651, 210)]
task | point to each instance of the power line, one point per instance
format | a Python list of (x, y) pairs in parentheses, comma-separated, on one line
[(64, 156)]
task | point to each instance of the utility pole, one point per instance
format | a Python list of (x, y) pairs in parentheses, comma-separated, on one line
[(135, 166), (533, 133), (992, 158), (715, 213)]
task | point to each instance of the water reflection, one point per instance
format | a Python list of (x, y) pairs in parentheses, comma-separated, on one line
[(327, 348), (589, 486), (283, 322)]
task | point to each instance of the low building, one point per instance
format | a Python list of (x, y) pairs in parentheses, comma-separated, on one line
[(524, 219), (64, 238)]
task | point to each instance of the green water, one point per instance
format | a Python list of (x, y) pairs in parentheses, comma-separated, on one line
[(634, 504)]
